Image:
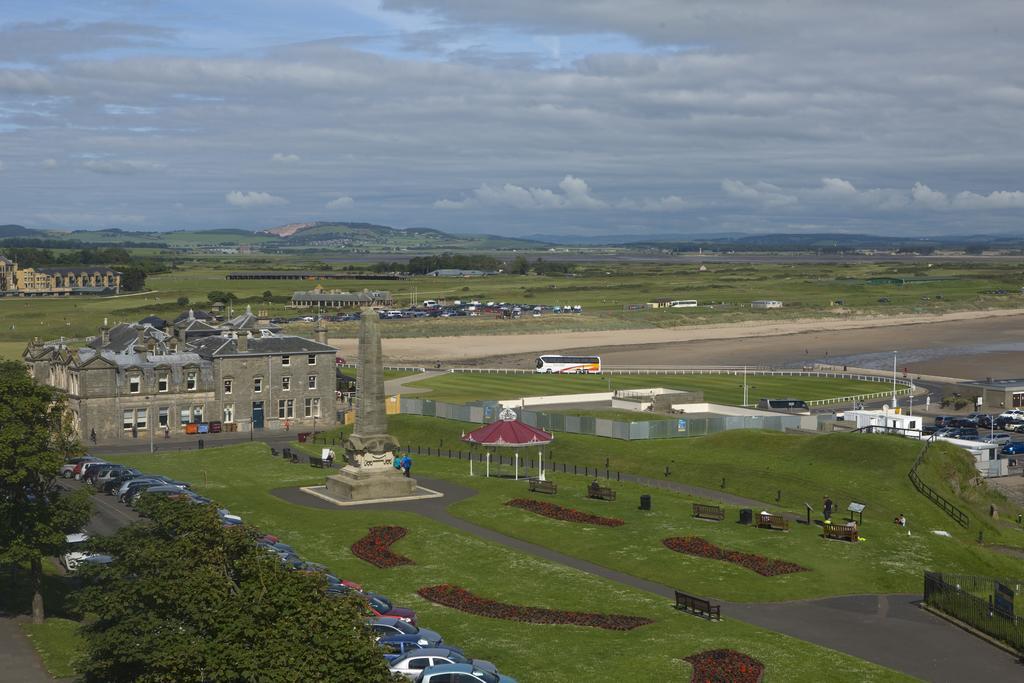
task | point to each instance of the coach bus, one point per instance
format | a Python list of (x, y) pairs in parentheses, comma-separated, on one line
[(584, 365), (683, 303)]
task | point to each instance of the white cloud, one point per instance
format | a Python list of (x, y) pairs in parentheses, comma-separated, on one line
[(49, 163), (121, 167), (342, 202), (761, 192), (669, 203), (281, 158), (928, 198), (575, 195), (247, 200), (999, 199)]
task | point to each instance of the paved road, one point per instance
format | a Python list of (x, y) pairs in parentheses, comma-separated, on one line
[(889, 630), (18, 659)]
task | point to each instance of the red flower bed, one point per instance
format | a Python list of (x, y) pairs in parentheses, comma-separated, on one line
[(725, 666), (460, 599), (374, 547), (565, 514), (765, 566)]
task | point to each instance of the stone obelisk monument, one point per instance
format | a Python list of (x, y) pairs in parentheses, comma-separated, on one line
[(370, 450)]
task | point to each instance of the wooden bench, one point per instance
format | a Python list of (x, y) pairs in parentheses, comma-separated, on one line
[(840, 532), (543, 486), (777, 522), (273, 452), (698, 606), (595, 490), (316, 461), (708, 512)]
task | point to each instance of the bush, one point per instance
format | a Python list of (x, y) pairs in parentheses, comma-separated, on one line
[(182, 301)]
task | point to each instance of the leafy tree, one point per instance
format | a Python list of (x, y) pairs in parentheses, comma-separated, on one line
[(133, 279), (182, 301), (519, 266), (224, 297), (187, 599), (268, 296), (35, 513)]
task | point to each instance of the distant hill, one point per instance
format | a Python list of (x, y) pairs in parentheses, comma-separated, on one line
[(16, 231), (369, 236)]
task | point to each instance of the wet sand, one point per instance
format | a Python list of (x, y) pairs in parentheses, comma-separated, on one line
[(969, 344)]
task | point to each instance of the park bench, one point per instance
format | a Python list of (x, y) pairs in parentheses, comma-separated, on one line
[(840, 532), (768, 521), (316, 461), (708, 512), (543, 486), (273, 452), (698, 606), (595, 490)]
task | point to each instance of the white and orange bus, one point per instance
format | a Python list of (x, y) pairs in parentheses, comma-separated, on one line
[(583, 365)]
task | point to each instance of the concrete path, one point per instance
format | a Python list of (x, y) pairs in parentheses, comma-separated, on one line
[(889, 630), (402, 386), (18, 658)]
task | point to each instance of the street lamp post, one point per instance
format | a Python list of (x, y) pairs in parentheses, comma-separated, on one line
[(894, 380), (149, 422)]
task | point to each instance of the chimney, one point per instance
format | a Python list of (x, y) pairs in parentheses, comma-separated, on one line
[(140, 339), (320, 332), (243, 342), (104, 333)]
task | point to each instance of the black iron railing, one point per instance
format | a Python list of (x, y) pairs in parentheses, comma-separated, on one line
[(972, 600)]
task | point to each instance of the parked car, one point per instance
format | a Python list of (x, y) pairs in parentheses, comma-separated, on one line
[(390, 626), (136, 486), (997, 437), (75, 551), (72, 466), (112, 473), (944, 420), (1012, 448), (967, 433), (461, 673), (380, 606), (398, 644), (412, 664), (112, 486)]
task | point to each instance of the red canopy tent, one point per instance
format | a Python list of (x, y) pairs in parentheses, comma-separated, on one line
[(509, 432)]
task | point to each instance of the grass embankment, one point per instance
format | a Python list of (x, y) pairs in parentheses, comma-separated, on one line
[(459, 387), (58, 643), (242, 477)]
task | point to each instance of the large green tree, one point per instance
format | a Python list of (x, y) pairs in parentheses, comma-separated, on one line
[(36, 514), (187, 599)]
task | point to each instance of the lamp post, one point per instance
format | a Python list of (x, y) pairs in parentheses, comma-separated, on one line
[(149, 422)]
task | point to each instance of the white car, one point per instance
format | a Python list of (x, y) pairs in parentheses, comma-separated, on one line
[(413, 662), (75, 553), (1013, 413)]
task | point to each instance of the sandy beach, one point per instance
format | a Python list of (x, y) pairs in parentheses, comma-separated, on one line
[(963, 344)]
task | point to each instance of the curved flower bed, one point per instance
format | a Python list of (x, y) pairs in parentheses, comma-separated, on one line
[(461, 599), (725, 666), (765, 566), (374, 547), (565, 514)]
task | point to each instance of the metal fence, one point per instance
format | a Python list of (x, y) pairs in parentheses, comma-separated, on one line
[(958, 515), (975, 600), (681, 427)]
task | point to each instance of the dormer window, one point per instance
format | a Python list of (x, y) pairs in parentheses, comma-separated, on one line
[(134, 384), (191, 380)]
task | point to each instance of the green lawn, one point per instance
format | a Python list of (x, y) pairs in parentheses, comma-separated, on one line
[(241, 478), (457, 387), (58, 643)]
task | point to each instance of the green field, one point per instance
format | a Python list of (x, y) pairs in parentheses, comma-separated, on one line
[(458, 387), (242, 477), (603, 289)]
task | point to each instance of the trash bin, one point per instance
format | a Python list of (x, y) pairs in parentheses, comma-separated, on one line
[(303, 436), (200, 444), (645, 502), (746, 516)]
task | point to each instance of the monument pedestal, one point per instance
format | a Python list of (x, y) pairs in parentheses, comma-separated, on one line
[(369, 477)]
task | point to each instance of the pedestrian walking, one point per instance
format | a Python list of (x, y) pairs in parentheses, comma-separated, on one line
[(92, 436), (827, 508)]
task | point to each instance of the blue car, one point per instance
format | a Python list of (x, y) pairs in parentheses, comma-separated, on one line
[(1013, 448)]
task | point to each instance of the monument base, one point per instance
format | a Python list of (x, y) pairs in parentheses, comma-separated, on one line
[(358, 484)]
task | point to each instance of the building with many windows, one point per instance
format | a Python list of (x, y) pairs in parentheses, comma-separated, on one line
[(134, 378), (59, 281)]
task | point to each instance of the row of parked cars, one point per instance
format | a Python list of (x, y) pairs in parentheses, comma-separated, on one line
[(982, 427), (416, 653)]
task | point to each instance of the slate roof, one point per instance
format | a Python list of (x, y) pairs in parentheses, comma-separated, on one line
[(211, 347), (53, 270), (123, 337), (194, 313)]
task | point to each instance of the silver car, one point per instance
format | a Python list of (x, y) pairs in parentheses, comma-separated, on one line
[(412, 663)]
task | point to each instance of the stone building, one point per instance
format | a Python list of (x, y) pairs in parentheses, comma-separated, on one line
[(319, 298), (134, 378), (60, 281)]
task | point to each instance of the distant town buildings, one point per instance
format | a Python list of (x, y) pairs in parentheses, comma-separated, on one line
[(457, 272), (190, 376), (319, 298), (57, 281)]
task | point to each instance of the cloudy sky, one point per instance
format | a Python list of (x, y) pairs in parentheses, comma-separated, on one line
[(602, 117)]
